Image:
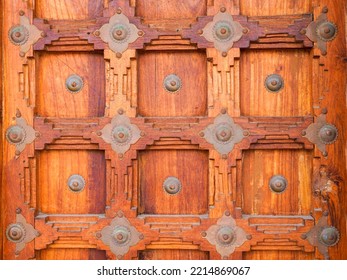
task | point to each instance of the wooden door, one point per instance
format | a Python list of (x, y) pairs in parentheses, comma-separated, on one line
[(195, 129)]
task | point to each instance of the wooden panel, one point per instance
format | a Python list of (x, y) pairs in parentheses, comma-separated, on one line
[(154, 100), (270, 8), (153, 10), (54, 100), (173, 255), (55, 167), (277, 255), (260, 165), (190, 167), (71, 254), (72, 9), (294, 67)]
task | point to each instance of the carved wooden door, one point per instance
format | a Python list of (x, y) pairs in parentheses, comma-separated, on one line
[(195, 129)]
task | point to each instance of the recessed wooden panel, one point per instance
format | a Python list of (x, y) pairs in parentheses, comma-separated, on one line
[(295, 97), (189, 166), (173, 9), (71, 9), (190, 100), (173, 255), (277, 255), (54, 100), (71, 254), (270, 8), (260, 165), (54, 169)]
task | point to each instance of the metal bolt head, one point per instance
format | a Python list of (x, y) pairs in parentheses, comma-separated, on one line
[(97, 33), (76, 183), (15, 233), (203, 234), (15, 134), (223, 9), (225, 236), (326, 31), (274, 83), (329, 236), (172, 83), (172, 185), (140, 33), (18, 210), (74, 83), (21, 13), (278, 183), (328, 134), (18, 35)]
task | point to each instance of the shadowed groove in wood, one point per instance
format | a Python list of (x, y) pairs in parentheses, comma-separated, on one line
[(71, 254), (164, 254)]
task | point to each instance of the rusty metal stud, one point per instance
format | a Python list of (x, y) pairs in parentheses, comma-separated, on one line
[(18, 35), (15, 135), (15, 233), (74, 83), (328, 134), (225, 236), (223, 9), (329, 236), (224, 133), (121, 235), (172, 83), (172, 185), (326, 31), (76, 183), (278, 183), (274, 83)]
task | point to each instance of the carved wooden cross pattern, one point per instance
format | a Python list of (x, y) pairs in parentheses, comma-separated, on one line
[(133, 131)]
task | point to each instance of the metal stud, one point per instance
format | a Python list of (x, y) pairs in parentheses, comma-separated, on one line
[(121, 135), (223, 31), (76, 183), (15, 233), (329, 236), (172, 83), (326, 31), (121, 235), (225, 236), (328, 134), (119, 33), (15, 135), (278, 183), (274, 83), (74, 83), (18, 35), (224, 133), (172, 185)]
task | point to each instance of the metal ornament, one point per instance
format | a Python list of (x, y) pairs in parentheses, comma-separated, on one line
[(76, 183), (74, 83), (278, 183), (223, 31), (120, 133), (223, 134), (119, 33), (20, 233), (172, 83), (172, 185), (274, 83), (226, 236), (20, 134), (321, 31), (120, 235), (323, 236), (24, 34), (321, 133)]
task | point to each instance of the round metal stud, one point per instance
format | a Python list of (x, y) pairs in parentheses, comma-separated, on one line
[(328, 134), (326, 31), (274, 83), (76, 183), (121, 235), (224, 133), (18, 35), (329, 236), (15, 135), (278, 183), (172, 185), (74, 83), (121, 134), (15, 233), (120, 33), (223, 31), (225, 236), (172, 83)]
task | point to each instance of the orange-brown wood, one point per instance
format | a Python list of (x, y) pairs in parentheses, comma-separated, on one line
[(129, 184)]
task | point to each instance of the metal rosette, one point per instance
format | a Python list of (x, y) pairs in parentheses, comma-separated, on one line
[(328, 134), (274, 83), (121, 135), (326, 31), (172, 185), (120, 33), (16, 232), (18, 35), (74, 83), (172, 83), (329, 236), (121, 236), (16, 135), (223, 31)]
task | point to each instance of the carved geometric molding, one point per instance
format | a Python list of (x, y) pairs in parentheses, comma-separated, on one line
[(120, 133), (323, 236), (321, 31), (24, 34), (223, 31), (20, 134), (119, 33), (226, 236), (321, 133), (223, 134), (120, 235), (21, 233)]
